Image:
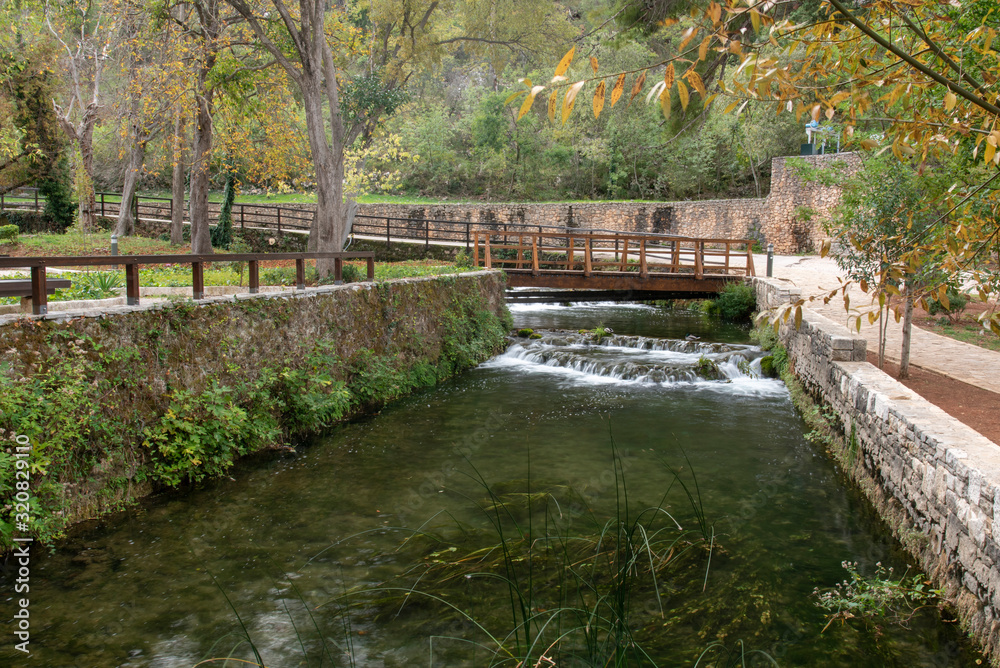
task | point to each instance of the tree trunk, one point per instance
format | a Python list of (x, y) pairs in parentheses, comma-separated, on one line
[(177, 189), (201, 241), (137, 156), (87, 199), (328, 230), (904, 358)]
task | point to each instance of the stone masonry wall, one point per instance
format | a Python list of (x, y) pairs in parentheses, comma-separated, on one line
[(774, 219), (935, 480)]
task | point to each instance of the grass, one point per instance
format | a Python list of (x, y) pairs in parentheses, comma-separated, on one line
[(379, 198), (545, 596), (967, 330), (80, 243), (100, 284)]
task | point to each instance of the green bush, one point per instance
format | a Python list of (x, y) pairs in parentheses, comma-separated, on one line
[(736, 302), (8, 233), (956, 303), (353, 274)]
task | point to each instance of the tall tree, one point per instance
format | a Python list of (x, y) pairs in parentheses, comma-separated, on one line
[(87, 32), (351, 64)]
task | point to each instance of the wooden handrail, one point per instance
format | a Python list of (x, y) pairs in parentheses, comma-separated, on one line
[(609, 252), (38, 265)]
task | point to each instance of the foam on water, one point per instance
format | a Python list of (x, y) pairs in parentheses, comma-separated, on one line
[(640, 360)]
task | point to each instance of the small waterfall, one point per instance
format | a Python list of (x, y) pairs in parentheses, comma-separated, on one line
[(638, 359)]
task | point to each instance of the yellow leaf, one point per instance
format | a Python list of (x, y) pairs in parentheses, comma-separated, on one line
[(798, 317), (695, 80), (593, 64), (530, 100), (735, 47), (598, 99), (755, 20), (688, 35), (564, 63), (665, 103), (815, 112), (552, 105), (668, 77), (730, 107), (825, 248), (682, 93), (570, 99), (703, 49), (829, 114), (637, 86), (715, 12), (949, 101), (991, 149), (616, 92), (514, 96), (864, 285)]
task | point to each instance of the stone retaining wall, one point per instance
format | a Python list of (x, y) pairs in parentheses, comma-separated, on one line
[(100, 391), (777, 218), (935, 480)]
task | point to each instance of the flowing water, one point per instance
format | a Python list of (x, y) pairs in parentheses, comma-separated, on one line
[(274, 549)]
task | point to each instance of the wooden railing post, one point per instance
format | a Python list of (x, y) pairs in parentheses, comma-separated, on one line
[(534, 256), (675, 256), (132, 283), (254, 276), (388, 235), (624, 264), (36, 200), (569, 254), (475, 249), (520, 251), (279, 218), (488, 252), (699, 260), (727, 257), (300, 274), (586, 256), (427, 234), (198, 280), (750, 268), (338, 270), (371, 269), (643, 268), (468, 228), (39, 294), (242, 221)]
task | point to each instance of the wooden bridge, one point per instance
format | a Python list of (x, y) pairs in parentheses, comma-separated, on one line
[(612, 265)]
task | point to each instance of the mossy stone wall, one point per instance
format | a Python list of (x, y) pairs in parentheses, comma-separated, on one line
[(121, 403)]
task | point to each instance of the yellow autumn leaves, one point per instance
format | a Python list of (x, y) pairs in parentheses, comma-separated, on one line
[(660, 91)]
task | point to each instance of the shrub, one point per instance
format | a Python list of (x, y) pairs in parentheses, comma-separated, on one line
[(8, 233), (463, 260), (953, 304), (353, 274), (736, 302)]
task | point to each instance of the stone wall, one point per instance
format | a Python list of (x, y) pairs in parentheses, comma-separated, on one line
[(121, 400), (935, 480), (775, 219)]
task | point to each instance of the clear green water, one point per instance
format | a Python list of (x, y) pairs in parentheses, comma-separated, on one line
[(137, 590)]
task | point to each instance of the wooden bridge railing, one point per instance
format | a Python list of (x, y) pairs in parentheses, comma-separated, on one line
[(586, 253), (38, 265)]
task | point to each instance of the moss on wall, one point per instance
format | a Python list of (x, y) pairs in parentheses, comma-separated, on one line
[(118, 406)]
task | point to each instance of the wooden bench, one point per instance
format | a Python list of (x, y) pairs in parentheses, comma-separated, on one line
[(21, 287)]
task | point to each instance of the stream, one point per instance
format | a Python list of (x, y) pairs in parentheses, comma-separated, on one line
[(669, 410)]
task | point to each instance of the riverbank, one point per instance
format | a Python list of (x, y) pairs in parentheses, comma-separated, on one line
[(119, 402), (933, 479)]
